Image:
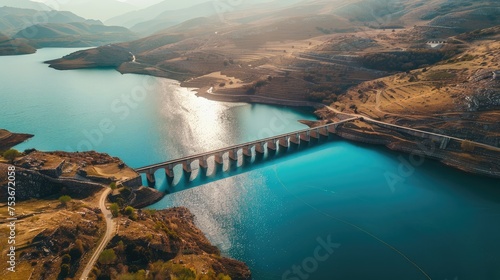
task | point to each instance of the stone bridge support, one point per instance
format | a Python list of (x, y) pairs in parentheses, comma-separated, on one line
[(315, 133), (323, 131), (271, 145), (233, 158), (295, 139), (283, 142), (186, 166), (218, 162), (305, 136), (247, 153), (150, 176), (203, 164), (233, 155), (260, 149), (169, 171)]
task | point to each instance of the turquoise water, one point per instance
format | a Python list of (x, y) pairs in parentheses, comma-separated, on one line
[(276, 214), (141, 119), (437, 221)]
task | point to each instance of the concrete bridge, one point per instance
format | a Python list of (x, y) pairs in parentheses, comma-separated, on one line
[(249, 149)]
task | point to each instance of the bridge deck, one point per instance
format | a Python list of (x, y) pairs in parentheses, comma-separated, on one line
[(238, 146)]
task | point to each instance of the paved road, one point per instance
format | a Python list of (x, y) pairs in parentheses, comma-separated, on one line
[(110, 231)]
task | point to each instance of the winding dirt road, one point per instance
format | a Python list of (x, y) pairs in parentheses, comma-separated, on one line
[(110, 231)]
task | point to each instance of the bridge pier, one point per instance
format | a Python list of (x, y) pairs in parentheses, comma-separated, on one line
[(305, 136), (247, 153), (186, 166), (150, 176), (283, 142), (323, 131), (295, 139), (271, 145), (272, 148), (259, 149), (315, 133), (233, 155), (169, 173), (218, 162), (233, 158), (203, 164)]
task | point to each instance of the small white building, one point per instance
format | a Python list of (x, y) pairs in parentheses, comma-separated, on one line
[(436, 43)]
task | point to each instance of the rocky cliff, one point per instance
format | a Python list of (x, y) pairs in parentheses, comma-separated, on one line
[(168, 245)]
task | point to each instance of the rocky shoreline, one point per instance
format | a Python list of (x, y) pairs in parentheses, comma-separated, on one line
[(481, 161), (9, 139), (165, 242)]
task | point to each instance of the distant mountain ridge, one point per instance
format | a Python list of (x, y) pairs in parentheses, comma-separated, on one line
[(27, 29), (9, 46), (76, 34), (161, 16), (25, 4), (14, 19), (133, 18)]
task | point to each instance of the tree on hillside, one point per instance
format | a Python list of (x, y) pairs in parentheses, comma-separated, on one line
[(107, 256), (11, 155), (64, 199), (114, 208), (129, 210)]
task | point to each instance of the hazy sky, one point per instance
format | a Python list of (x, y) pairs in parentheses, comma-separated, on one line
[(176, 4), (105, 9)]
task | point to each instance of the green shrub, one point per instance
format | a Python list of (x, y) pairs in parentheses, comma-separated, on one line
[(11, 155), (114, 208), (107, 256), (129, 210), (64, 199), (223, 277)]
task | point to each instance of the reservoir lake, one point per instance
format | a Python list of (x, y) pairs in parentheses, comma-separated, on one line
[(323, 212)]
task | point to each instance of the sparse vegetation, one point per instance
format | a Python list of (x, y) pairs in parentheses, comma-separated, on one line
[(107, 256), (65, 199), (404, 61), (11, 155), (170, 232), (115, 209)]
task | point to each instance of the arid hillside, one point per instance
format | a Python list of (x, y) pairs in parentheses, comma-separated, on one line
[(426, 64), (459, 96), (312, 51)]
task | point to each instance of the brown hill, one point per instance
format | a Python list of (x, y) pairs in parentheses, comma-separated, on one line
[(311, 51), (459, 96)]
